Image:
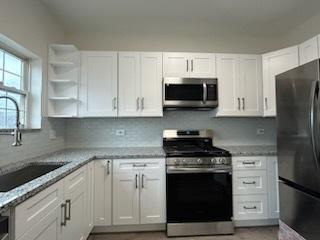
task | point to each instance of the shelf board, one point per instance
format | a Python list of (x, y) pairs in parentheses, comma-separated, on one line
[(62, 64), (62, 81), (61, 116), (62, 99), (63, 47)]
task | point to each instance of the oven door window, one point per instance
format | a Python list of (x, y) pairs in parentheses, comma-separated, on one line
[(186, 92), (199, 197)]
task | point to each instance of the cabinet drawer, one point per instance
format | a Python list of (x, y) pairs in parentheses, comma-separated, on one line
[(250, 182), (138, 164), (75, 182), (250, 207), (247, 163), (33, 210)]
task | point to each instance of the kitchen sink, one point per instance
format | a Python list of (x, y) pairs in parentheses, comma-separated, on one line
[(26, 174)]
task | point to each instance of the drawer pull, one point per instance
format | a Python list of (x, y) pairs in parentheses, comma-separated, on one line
[(63, 214), (142, 181), (249, 183), (139, 165), (137, 181), (249, 208), (108, 168), (68, 203), (249, 163)]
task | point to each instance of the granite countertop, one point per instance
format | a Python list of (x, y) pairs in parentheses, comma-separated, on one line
[(74, 159), (258, 150)]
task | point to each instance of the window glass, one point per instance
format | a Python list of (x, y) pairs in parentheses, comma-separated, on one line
[(11, 80), (12, 64), (1, 59), (2, 118), (11, 118)]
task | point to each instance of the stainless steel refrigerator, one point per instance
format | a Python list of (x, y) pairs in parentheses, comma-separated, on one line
[(298, 145)]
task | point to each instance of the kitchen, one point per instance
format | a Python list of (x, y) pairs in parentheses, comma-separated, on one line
[(155, 119)]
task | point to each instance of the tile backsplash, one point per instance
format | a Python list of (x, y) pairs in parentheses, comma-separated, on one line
[(34, 143), (101, 132)]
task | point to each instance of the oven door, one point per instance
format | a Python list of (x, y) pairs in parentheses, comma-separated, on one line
[(190, 93), (199, 195)]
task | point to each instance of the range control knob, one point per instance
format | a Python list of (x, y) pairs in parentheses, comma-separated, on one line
[(222, 161), (199, 160), (177, 161), (212, 160), (183, 161)]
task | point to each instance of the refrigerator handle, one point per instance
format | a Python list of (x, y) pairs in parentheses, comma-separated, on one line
[(313, 95)]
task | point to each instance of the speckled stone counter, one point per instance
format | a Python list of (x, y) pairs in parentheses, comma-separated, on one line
[(74, 159), (251, 150)]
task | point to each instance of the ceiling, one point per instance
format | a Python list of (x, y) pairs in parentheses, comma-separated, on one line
[(251, 17)]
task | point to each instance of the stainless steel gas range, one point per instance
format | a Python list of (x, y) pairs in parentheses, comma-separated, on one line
[(199, 184)]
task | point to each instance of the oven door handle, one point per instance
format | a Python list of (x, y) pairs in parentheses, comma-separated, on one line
[(175, 170)]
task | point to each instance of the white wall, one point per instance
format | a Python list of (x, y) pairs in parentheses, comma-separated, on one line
[(28, 23), (148, 131)]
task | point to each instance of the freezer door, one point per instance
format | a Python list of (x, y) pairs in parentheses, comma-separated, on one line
[(298, 125), (300, 211)]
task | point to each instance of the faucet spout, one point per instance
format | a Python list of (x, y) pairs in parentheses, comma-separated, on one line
[(17, 137)]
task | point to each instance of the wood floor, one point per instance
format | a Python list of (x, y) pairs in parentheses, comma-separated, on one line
[(255, 233)]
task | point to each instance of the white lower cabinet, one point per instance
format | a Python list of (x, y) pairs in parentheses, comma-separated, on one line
[(58, 212), (103, 192), (90, 199), (139, 191), (255, 188)]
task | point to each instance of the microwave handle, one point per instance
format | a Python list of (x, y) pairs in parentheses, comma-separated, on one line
[(204, 92)]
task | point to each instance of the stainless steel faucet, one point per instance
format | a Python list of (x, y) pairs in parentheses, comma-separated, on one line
[(17, 137)]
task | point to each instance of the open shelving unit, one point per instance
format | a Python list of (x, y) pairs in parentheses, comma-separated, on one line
[(63, 81)]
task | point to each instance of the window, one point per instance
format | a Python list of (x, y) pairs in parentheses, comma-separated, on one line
[(13, 83)]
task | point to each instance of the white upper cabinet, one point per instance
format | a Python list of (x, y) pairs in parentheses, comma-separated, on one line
[(228, 84), (251, 85), (239, 85), (275, 63), (140, 79), (309, 51), (129, 84), (98, 88), (151, 84), (176, 65), (196, 65)]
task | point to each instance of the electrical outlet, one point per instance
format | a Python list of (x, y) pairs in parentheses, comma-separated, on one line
[(52, 134), (120, 132), (260, 131)]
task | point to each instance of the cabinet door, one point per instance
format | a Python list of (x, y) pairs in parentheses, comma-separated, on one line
[(103, 193), (203, 65), (129, 84), (151, 84), (89, 198), (273, 184), (176, 64), (49, 228), (75, 195), (273, 64), (228, 85), (98, 88), (308, 51), (251, 85), (153, 196), (126, 198)]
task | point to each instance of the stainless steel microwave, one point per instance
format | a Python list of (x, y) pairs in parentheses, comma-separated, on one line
[(196, 93)]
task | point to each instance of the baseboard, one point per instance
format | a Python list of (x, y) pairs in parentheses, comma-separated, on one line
[(256, 223), (130, 228)]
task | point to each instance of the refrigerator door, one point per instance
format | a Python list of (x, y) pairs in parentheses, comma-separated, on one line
[(300, 211), (298, 124)]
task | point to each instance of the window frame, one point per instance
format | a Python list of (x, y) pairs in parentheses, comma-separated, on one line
[(24, 89)]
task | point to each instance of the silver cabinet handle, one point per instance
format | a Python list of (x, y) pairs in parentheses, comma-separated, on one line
[(204, 86), (192, 65), (243, 104), (108, 168), (266, 103), (138, 104), (114, 103), (249, 163), (63, 214), (254, 207), (239, 104), (249, 183), (142, 181), (136, 181), (68, 204), (187, 65), (139, 165), (142, 103)]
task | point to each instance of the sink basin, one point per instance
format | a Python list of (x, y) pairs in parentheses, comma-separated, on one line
[(26, 174)]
